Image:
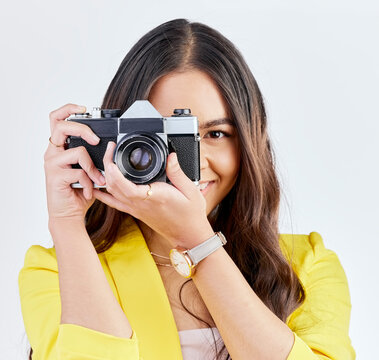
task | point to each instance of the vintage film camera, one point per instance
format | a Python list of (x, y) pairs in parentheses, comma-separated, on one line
[(144, 139)]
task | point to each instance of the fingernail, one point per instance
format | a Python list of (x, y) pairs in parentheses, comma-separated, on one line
[(102, 179), (82, 108), (86, 193), (95, 137), (173, 159)]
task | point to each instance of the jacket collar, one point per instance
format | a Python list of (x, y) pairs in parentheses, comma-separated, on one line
[(142, 294)]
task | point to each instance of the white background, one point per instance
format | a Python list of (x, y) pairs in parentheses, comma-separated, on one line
[(317, 66)]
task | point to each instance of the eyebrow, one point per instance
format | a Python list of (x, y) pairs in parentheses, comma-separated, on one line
[(216, 122)]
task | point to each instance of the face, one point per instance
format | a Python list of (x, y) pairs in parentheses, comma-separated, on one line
[(219, 152)]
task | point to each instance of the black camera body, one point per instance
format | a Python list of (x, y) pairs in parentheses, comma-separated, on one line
[(144, 139)]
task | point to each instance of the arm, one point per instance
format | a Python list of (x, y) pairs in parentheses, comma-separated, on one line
[(216, 273), (86, 296), (251, 331), (91, 318), (41, 310)]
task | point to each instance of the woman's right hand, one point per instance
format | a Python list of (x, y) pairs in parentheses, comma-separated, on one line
[(63, 201)]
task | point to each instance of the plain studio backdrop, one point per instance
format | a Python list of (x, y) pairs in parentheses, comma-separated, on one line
[(316, 64)]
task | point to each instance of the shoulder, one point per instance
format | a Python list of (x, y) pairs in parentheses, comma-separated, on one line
[(322, 320), (305, 252), (39, 276), (39, 256), (302, 247), (40, 269), (316, 266)]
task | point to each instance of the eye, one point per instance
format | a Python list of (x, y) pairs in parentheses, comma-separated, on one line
[(216, 134)]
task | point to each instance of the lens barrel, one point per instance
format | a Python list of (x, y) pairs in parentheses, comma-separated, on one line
[(141, 157)]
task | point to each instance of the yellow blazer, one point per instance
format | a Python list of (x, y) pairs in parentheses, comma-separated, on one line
[(320, 325)]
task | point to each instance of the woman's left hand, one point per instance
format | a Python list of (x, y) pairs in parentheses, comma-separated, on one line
[(177, 211)]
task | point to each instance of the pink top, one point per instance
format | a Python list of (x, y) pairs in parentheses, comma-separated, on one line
[(198, 344)]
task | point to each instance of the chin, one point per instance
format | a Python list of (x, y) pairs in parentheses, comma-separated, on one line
[(212, 211)]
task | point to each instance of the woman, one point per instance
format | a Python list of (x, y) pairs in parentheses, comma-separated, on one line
[(107, 289)]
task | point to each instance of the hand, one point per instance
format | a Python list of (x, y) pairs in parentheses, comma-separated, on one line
[(62, 200), (177, 212)]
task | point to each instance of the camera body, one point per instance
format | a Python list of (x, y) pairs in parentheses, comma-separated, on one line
[(144, 139)]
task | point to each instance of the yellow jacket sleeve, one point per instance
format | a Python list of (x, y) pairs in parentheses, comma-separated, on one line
[(41, 310), (321, 323)]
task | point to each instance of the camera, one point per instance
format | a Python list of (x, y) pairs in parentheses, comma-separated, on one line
[(144, 139)]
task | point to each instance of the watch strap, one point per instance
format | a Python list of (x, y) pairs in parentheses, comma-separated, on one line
[(206, 248)]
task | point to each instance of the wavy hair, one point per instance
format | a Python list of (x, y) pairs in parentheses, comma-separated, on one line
[(248, 215)]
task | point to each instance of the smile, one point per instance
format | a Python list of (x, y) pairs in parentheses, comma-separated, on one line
[(204, 187)]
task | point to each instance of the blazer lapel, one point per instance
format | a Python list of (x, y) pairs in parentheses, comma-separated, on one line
[(142, 294)]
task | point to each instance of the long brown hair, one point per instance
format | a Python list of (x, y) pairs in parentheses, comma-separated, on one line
[(248, 215)]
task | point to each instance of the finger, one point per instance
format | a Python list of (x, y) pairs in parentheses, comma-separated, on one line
[(64, 112), (117, 184), (111, 201), (178, 178), (61, 130), (108, 155), (78, 155), (68, 177), (83, 179), (112, 172)]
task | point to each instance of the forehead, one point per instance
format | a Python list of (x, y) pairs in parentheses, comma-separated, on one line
[(191, 89)]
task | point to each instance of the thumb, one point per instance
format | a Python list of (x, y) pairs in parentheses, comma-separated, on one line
[(178, 178)]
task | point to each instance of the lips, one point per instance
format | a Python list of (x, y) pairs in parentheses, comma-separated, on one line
[(204, 186)]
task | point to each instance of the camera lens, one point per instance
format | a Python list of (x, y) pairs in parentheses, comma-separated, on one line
[(140, 158)]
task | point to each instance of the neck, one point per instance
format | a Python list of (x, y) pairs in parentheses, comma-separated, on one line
[(154, 241)]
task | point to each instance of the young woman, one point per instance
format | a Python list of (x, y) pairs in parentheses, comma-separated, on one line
[(108, 290)]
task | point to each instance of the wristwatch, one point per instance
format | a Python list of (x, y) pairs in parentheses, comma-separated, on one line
[(184, 260)]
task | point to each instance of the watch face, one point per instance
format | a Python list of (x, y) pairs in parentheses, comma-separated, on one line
[(180, 263)]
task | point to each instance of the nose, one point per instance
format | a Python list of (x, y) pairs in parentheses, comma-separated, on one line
[(203, 156)]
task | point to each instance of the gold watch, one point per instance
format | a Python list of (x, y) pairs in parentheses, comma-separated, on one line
[(184, 260)]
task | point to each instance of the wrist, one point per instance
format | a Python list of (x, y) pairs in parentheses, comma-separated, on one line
[(185, 260), (192, 240), (57, 225)]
